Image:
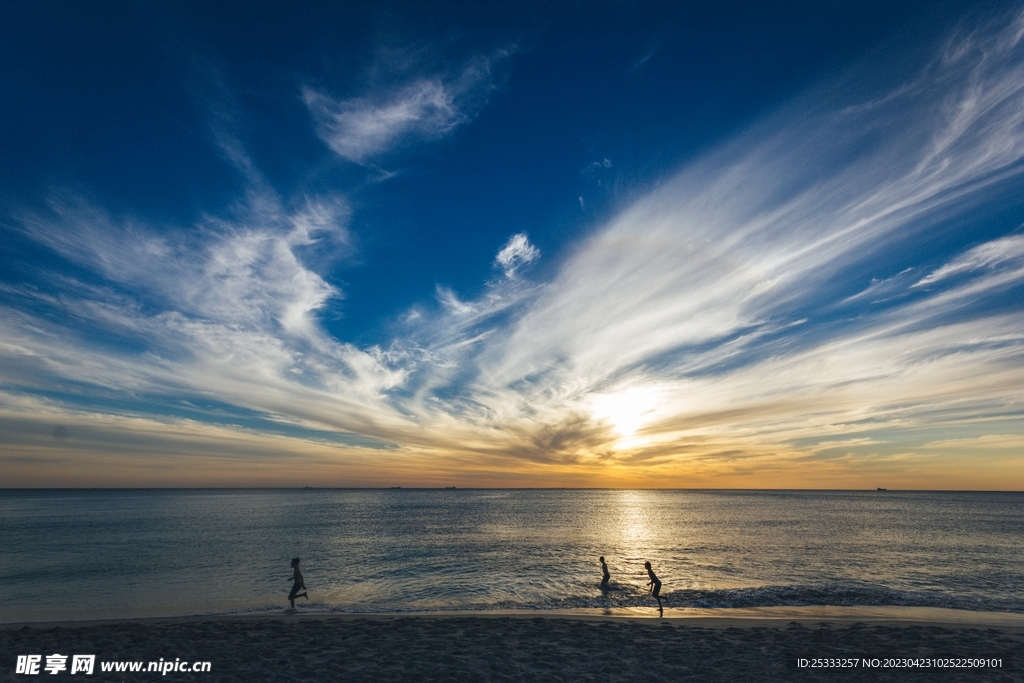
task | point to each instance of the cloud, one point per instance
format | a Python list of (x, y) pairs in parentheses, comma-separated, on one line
[(225, 271), (643, 59), (1004, 251), (769, 225), (426, 109), (597, 166), (697, 288), (516, 253), (216, 311), (357, 129)]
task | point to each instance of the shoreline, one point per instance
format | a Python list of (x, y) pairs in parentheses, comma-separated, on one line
[(709, 617)]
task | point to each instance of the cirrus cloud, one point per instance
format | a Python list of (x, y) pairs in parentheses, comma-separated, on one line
[(426, 109)]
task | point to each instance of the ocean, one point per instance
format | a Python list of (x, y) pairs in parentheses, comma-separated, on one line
[(92, 554)]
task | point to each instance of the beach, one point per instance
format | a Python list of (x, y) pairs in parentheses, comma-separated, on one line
[(523, 646)]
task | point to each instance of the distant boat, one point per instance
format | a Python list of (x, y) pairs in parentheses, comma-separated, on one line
[(450, 488), (396, 487), (881, 489)]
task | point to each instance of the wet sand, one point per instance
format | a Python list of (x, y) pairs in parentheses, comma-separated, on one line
[(584, 645)]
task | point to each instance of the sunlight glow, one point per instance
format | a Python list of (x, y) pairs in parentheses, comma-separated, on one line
[(626, 411)]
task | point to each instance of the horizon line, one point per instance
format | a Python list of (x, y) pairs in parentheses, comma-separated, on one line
[(479, 488)]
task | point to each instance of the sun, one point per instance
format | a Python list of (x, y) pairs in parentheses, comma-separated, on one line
[(627, 411)]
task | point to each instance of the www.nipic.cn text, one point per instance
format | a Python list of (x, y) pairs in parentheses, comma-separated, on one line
[(86, 664)]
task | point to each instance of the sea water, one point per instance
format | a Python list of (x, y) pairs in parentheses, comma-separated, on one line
[(86, 554)]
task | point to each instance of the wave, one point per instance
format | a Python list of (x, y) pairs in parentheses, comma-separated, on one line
[(833, 595), (836, 595)]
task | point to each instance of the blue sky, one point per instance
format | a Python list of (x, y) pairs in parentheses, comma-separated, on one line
[(605, 244)]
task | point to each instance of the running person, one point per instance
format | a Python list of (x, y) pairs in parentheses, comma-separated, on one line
[(654, 583), (299, 584)]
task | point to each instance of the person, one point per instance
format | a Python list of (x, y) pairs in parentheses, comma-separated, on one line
[(654, 583), (299, 583), (604, 571)]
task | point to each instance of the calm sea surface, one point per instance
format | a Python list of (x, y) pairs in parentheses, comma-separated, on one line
[(93, 554)]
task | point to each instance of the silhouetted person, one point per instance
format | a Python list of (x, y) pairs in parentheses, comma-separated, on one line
[(299, 583), (604, 571), (654, 583)]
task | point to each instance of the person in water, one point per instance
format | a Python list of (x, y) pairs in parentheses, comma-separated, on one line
[(654, 583), (604, 571), (300, 584)]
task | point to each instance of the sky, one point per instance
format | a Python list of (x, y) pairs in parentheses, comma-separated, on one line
[(604, 244)]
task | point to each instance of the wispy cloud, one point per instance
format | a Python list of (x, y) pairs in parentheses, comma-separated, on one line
[(1003, 252), (224, 271), (516, 253), (425, 109), (646, 57), (691, 295), (597, 166)]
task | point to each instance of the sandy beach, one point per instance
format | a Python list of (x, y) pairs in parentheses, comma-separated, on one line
[(585, 646)]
